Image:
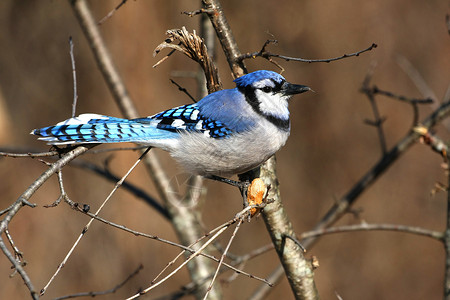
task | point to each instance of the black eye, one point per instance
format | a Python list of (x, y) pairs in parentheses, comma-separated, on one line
[(267, 89)]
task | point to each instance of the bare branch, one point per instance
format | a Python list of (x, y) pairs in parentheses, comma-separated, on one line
[(182, 89), (375, 90), (29, 154), (19, 268), (225, 35), (111, 13), (17, 253), (268, 55), (298, 270), (198, 12), (375, 227), (74, 75), (378, 122), (416, 78)]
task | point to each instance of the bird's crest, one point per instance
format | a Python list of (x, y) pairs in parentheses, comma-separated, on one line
[(257, 76)]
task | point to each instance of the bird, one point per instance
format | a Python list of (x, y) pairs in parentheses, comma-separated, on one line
[(228, 132)]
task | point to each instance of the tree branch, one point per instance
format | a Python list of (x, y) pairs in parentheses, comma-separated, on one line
[(375, 227), (225, 35), (268, 55)]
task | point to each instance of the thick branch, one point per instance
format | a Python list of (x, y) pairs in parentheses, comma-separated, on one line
[(299, 270), (225, 35)]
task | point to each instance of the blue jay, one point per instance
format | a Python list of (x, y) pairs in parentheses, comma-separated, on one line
[(227, 132)]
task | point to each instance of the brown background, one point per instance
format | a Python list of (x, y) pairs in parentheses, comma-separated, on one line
[(329, 148)]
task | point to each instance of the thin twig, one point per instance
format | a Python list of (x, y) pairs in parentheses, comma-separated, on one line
[(437, 235), (376, 90), (61, 189), (19, 269), (14, 153), (182, 89), (29, 154), (197, 12), (74, 75), (238, 225), (378, 123), (17, 253), (267, 55), (111, 13), (416, 78)]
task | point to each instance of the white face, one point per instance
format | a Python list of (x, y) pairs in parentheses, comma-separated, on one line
[(271, 103)]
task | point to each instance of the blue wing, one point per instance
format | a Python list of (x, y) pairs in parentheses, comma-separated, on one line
[(167, 125), (218, 115), (189, 118)]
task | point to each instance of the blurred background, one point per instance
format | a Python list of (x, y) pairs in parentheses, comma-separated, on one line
[(330, 147)]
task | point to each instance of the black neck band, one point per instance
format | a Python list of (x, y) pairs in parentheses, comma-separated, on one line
[(250, 97)]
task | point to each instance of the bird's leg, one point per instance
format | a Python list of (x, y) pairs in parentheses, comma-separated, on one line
[(224, 180), (247, 179), (242, 185)]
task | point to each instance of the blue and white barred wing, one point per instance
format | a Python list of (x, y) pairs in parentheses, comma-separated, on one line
[(153, 130), (189, 118), (94, 128)]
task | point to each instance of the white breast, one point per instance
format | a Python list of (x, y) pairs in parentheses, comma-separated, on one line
[(200, 154)]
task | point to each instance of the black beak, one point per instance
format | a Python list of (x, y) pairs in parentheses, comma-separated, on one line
[(292, 89)]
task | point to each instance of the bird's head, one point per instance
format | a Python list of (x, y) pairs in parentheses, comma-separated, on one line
[(268, 94)]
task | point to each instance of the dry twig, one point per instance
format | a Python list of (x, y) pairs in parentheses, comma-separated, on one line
[(193, 47)]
